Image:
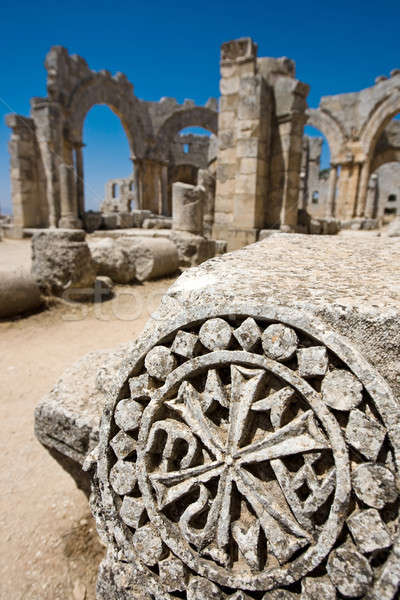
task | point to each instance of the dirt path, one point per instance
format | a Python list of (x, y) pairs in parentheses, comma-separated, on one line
[(48, 547)]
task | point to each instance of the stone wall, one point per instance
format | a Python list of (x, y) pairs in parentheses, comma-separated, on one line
[(120, 195)]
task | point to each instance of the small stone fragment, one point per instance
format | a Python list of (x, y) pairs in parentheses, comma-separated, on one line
[(173, 574), (349, 572), (128, 414), (364, 434), (374, 485), (139, 386), (239, 596), (215, 334), (341, 390), (185, 344), (123, 477), (133, 511), (313, 362), (279, 342), (369, 531), (317, 588), (159, 362), (248, 334), (123, 444), (148, 544), (202, 589)]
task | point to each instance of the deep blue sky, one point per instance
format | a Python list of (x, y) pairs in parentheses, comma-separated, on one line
[(172, 49)]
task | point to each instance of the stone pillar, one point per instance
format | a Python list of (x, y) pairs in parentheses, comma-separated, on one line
[(238, 60), (80, 182), (151, 185), (363, 189), (347, 192), (47, 116), (137, 174), (330, 205), (370, 207), (69, 210), (291, 134), (207, 180), (28, 189), (187, 208), (252, 155), (166, 208)]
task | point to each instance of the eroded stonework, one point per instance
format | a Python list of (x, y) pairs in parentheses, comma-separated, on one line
[(246, 458)]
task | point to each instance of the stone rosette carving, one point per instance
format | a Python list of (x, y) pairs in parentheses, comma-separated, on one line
[(251, 455)]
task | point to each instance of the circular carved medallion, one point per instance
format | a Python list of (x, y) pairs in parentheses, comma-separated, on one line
[(244, 454)]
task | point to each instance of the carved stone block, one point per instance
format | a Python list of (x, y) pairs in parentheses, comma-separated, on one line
[(235, 472)]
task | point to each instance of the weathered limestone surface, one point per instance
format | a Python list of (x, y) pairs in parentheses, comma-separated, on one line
[(61, 260), (253, 433), (67, 419)]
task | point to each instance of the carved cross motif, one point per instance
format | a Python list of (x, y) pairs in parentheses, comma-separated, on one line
[(227, 458)]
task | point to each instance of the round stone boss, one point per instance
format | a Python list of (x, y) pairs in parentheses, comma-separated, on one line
[(247, 365)]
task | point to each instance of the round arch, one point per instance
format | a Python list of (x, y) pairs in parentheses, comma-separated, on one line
[(198, 116), (117, 94), (378, 121), (330, 128)]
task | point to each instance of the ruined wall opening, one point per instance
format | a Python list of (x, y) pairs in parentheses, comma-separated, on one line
[(106, 157), (314, 175), (383, 194), (190, 151)]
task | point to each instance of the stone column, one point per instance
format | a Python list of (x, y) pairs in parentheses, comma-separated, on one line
[(370, 207), (166, 208), (347, 192), (291, 134), (137, 173), (187, 208), (363, 189), (151, 189), (80, 182), (69, 210), (330, 205)]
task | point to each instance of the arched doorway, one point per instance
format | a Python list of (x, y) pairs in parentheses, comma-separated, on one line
[(109, 173)]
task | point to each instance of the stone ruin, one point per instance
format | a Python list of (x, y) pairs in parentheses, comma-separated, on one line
[(249, 441), (265, 176), (246, 446)]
